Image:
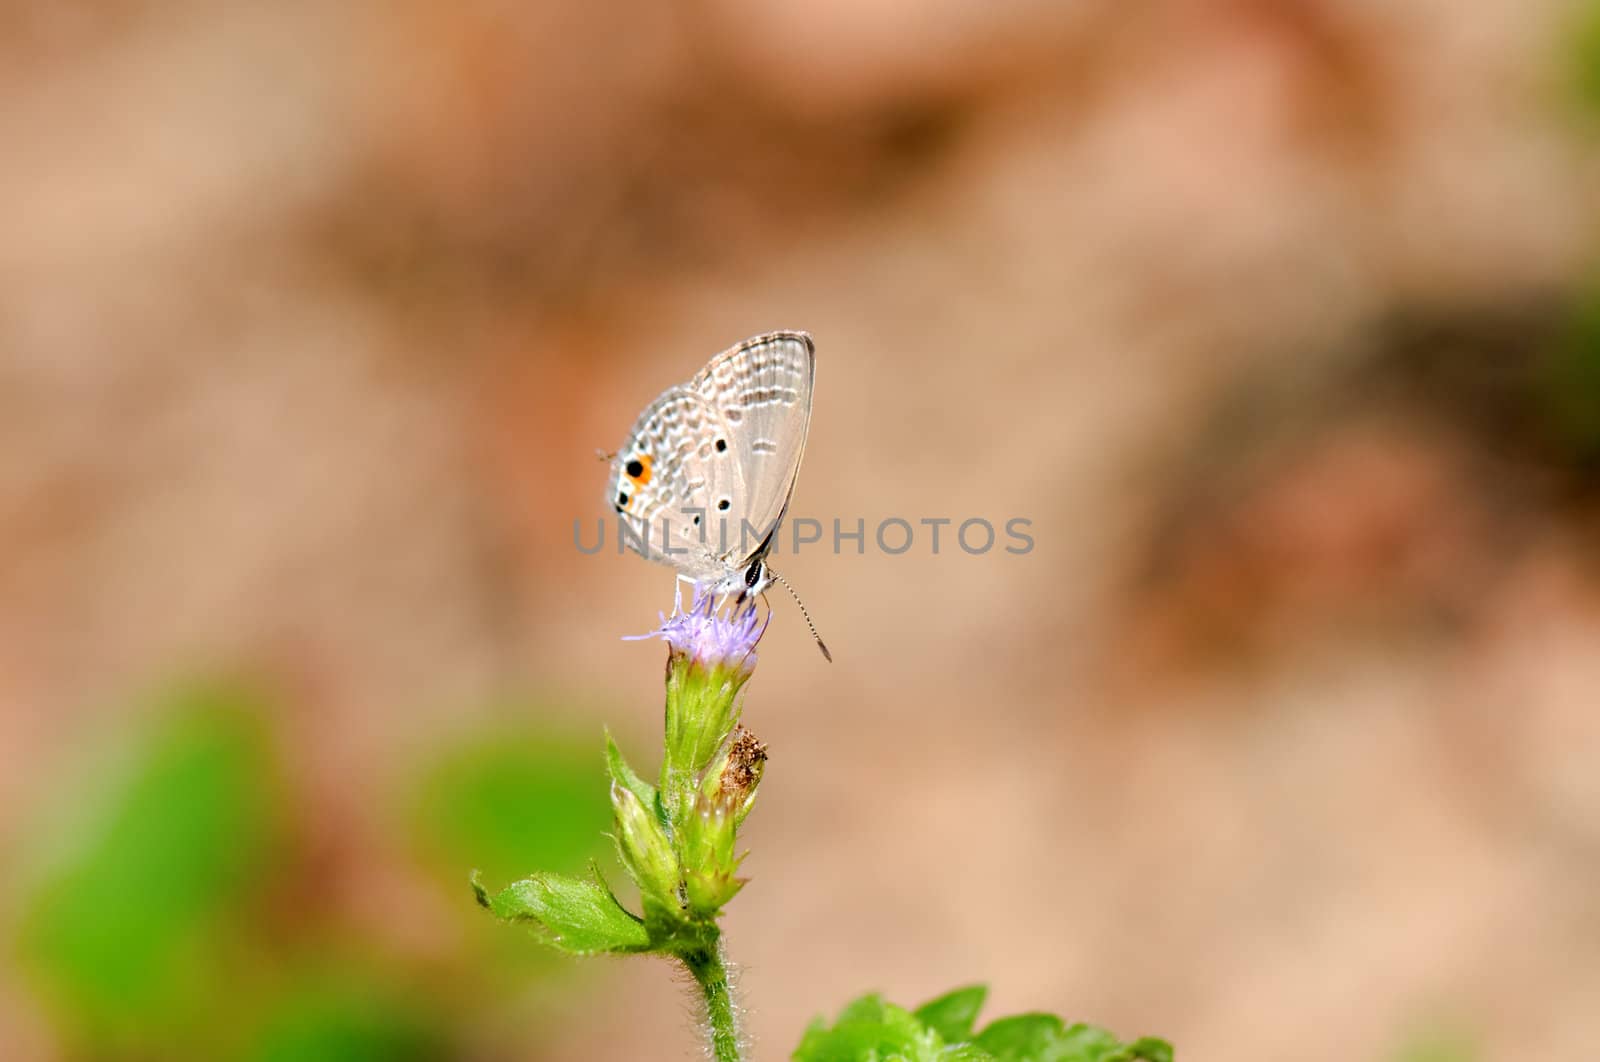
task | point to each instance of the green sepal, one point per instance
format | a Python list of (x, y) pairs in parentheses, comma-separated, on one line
[(952, 1014), (708, 893), (575, 916), (626, 777)]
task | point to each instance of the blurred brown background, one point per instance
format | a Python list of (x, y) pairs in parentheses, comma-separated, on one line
[(1274, 317)]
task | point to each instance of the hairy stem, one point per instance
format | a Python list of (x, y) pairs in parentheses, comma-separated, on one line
[(711, 974)]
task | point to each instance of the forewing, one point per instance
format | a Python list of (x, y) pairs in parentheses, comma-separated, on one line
[(761, 392)]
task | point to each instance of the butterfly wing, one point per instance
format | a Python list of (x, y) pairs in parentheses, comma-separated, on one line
[(761, 390), (707, 471), (659, 488)]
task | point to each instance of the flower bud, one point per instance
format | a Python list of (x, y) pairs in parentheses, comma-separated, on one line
[(707, 838), (711, 656), (734, 775), (645, 851)]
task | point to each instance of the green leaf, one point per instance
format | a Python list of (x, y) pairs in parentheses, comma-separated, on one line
[(1091, 1043), (952, 1014), (577, 917), (1145, 1049), (1044, 1038), (871, 1030), (1023, 1038)]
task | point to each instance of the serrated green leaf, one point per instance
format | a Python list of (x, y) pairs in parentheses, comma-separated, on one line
[(577, 917), (872, 1030), (952, 1014), (1038, 1037), (1090, 1043)]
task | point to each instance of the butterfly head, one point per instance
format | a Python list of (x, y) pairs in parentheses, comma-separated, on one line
[(750, 582)]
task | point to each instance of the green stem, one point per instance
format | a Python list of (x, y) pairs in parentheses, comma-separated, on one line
[(709, 972)]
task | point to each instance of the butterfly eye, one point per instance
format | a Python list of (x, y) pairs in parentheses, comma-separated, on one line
[(753, 575)]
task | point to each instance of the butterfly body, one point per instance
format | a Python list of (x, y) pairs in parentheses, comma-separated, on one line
[(708, 469)]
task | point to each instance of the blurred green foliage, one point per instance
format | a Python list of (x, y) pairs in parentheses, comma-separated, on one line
[(1572, 375), (166, 915), (1584, 39), (125, 932), (510, 802), (1437, 1046), (953, 1014), (502, 803), (1572, 372), (346, 1015)]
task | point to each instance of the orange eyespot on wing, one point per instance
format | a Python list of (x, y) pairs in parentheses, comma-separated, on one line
[(638, 468)]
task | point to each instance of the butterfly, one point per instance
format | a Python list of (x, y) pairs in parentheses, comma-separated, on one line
[(709, 468)]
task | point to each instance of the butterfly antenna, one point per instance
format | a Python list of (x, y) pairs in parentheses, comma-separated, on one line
[(820, 644)]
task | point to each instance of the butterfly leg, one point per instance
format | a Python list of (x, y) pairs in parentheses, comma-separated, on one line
[(677, 591)]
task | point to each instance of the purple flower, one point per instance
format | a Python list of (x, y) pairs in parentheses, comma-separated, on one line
[(709, 636)]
